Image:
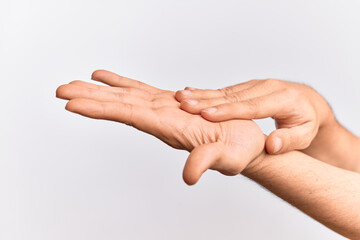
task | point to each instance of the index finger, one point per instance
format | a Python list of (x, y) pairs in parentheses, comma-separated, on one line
[(139, 117), (212, 93), (116, 80), (271, 105)]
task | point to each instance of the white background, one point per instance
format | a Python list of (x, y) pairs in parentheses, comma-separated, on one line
[(63, 176)]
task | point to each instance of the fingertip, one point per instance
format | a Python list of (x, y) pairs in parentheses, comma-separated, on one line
[(178, 96), (274, 144), (77, 104), (210, 114), (190, 173), (184, 105), (61, 91), (69, 106), (189, 181), (294, 138), (182, 94), (58, 91), (206, 116), (96, 75), (190, 106), (277, 144), (190, 88), (76, 82), (190, 178)]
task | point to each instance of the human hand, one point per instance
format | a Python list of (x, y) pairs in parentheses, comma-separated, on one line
[(228, 147), (299, 111)]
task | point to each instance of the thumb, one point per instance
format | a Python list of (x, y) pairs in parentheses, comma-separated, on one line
[(200, 159), (287, 139)]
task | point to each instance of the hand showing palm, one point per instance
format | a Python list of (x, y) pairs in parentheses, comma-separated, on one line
[(228, 147)]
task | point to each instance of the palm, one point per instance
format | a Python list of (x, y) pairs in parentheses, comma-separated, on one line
[(226, 146)]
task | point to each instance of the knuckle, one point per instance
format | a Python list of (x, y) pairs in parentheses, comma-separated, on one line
[(300, 142), (76, 82), (157, 103), (123, 91), (252, 107), (131, 114), (104, 110), (244, 94), (292, 94), (253, 81), (229, 96), (306, 86), (271, 82), (129, 91), (119, 96), (291, 91), (91, 92), (128, 119), (225, 91), (233, 98), (309, 90), (138, 84)]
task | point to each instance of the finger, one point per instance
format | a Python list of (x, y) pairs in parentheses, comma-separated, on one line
[(197, 94), (200, 159), (190, 88), (132, 91), (288, 139), (192, 93), (240, 87), (71, 91), (115, 80), (270, 105), (195, 106), (163, 99), (139, 117)]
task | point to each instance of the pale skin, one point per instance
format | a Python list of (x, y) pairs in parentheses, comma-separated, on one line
[(225, 146), (329, 194), (303, 118)]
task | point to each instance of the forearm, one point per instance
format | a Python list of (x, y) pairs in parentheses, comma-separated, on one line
[(326, 193), (337, 146)]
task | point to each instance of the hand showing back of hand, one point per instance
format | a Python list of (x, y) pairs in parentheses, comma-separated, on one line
[(299, 111), (228, 147)]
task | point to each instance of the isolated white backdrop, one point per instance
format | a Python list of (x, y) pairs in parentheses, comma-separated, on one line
[(63, 176)]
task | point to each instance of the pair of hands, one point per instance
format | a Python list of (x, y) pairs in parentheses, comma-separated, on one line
[(224, 143)]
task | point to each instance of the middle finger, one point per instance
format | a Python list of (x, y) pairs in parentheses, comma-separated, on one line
[(71, 91)]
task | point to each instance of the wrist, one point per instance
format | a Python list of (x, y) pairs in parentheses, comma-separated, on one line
[(254, 165), (335, 145), (325, 113), (256, 162)]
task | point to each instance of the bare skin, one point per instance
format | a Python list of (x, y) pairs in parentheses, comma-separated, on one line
[(228, 147), (303, 118), (326, 193)]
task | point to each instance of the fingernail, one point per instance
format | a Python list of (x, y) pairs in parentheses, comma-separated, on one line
[(277, 144), (191, 101), (210, 110), (186, 92), (190, 88)]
